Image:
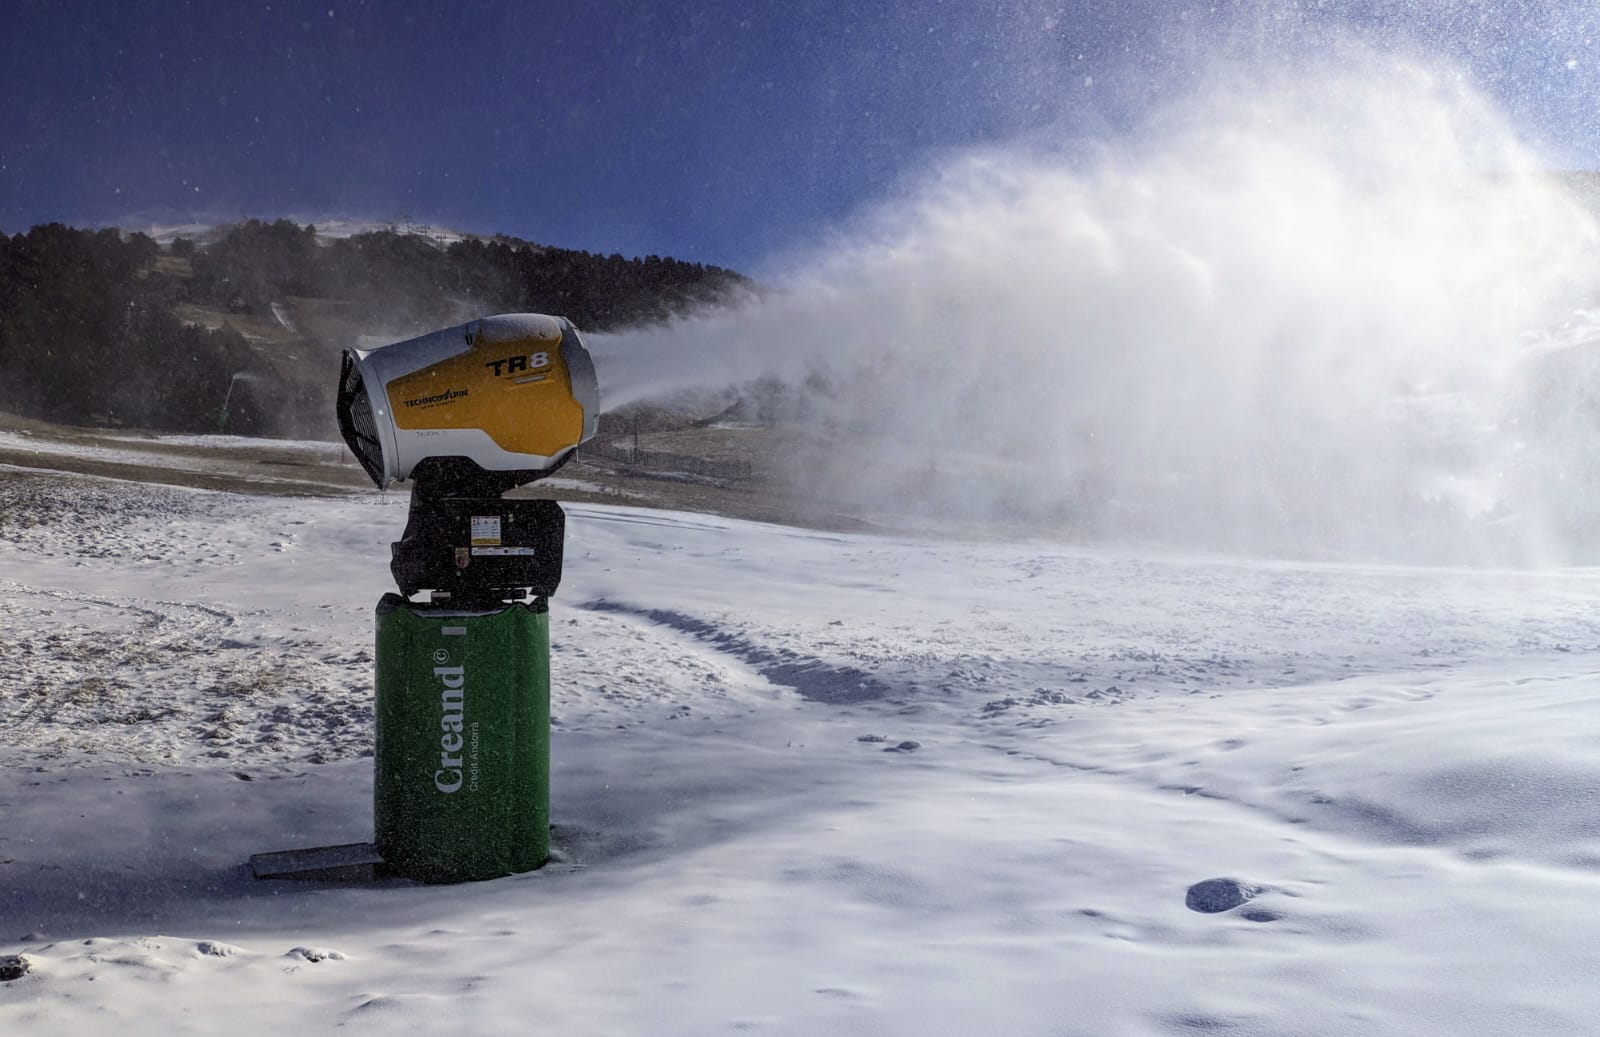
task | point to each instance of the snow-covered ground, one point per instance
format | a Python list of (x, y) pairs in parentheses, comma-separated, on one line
[(804, 783)]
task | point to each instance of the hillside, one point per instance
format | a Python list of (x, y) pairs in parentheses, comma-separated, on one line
[(238, 329)]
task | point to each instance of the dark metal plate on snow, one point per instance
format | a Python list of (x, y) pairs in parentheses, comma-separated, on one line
[(349, 862)]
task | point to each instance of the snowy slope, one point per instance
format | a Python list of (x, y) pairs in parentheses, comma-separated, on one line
[(803, 783)]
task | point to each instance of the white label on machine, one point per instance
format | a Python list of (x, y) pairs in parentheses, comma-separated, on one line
[(485, 531)]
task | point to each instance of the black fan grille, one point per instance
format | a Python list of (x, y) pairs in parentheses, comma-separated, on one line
[(356, 423)]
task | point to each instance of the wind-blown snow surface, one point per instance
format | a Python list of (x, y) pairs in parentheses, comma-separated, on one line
[(803, 783)]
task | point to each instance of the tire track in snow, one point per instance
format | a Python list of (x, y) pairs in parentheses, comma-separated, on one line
[(810, 677)]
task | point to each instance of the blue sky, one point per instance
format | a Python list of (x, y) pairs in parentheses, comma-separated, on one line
[(722, 132)]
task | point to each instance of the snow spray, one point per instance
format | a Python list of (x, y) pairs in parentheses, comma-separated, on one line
[(1337, 310)]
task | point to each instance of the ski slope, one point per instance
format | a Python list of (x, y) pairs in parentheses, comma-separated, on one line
[(803, 783)]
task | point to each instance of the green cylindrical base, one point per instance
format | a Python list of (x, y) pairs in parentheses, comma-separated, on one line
[(462, 786)]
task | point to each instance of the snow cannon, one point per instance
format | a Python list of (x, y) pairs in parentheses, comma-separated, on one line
[(462, 668), (513, 394), (468, 413)]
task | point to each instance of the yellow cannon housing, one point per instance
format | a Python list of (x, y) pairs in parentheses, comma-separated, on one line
[(512, 394)]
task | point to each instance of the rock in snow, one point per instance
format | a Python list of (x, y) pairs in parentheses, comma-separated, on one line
[(1215, 895)]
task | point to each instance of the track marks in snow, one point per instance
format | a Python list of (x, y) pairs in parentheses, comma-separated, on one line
[(164, 681), (984, 671), (810, 677)]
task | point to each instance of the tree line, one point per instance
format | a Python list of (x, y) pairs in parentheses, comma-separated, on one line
[(411, 275), (104, 327), (88, 336)]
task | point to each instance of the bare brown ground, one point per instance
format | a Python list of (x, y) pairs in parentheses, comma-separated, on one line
[(270, 467)]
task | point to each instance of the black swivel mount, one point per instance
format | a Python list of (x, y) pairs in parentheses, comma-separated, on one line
[(471, 546)]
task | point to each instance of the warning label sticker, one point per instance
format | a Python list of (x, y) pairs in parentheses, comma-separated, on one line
[(486, 531)]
